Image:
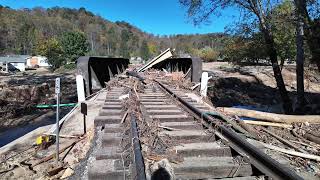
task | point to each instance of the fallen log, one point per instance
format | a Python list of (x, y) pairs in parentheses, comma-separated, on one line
[(290, 152), (262, 123), (272, 116)]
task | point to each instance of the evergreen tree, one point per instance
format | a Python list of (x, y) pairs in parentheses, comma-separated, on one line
[(144, 50), (74, 44)]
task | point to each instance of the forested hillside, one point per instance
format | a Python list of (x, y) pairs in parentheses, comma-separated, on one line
[(63, 34), (39, 30)]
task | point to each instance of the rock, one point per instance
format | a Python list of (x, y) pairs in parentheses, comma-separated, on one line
[(68, 172), (162, 168)]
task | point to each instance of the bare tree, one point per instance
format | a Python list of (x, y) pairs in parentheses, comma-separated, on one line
[(200, 11)]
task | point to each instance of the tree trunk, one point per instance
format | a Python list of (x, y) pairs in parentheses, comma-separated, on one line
[(272, 52), (300, 56), (273, 117)]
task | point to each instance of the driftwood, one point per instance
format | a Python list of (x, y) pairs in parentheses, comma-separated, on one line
[(290, 152), (272, 116), (262, 123), (284, 141)]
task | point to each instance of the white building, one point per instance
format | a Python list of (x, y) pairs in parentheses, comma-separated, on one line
[(14, 62), (37, 61)]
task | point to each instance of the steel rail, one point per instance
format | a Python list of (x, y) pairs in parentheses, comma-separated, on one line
[(138, 158), (259, 159)]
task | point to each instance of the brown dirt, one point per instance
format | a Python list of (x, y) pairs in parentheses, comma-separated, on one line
[(20, 93), (255, 86)]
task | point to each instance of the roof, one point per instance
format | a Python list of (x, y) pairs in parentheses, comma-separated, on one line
[(14, 58)]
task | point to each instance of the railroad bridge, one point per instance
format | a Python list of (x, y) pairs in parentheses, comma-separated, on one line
[(149, 127)]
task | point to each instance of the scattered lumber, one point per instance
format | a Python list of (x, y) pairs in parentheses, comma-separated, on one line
[(45, 159), (229, 121), (263, 123), (290, 152), (124, 116), (55, 170), (168, 128), (272, 116), (284, 141), (65, 136)]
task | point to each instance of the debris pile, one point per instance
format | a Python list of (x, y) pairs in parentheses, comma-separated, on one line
[(19, 96)]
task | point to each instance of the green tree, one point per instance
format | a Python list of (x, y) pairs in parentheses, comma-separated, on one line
[(144, 50), (51, 49), (124, 50), (200, 11), (74, 44), (208, 54), (284, 30)]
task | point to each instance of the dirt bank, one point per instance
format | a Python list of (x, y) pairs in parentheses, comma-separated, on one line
[(20, 93), (255, 86)]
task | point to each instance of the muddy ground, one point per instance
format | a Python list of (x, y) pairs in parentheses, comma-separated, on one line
[(21, 92), (255, 87)]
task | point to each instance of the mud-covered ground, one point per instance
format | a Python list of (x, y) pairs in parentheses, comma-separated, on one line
[(255, 87), (21, 92)]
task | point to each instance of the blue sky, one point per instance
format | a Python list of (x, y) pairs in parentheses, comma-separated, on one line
[(163, 17)]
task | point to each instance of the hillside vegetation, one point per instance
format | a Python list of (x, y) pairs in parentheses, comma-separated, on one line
[(49, 32), (38, 30)]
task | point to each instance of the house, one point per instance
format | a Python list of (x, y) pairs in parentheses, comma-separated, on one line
[(37, 61), (136, 60), (14, 62)]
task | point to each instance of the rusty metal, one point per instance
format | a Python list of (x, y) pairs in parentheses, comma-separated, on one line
[(138, 158), (259, 159)]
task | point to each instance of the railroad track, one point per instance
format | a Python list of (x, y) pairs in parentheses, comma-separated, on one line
[(186, 142)]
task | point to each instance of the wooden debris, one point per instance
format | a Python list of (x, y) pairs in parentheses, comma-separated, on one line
[(124, 116), (195, 86), (177, 76), (168, 128), (54, 154), (65, 136), (262, 123), (248, 128), (55, 170), (272, 116), (290, 152), (67, 173), (284, 141), (312, 138), (315, 133)]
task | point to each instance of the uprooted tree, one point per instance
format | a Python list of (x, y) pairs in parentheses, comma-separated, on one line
[(201, 10)]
